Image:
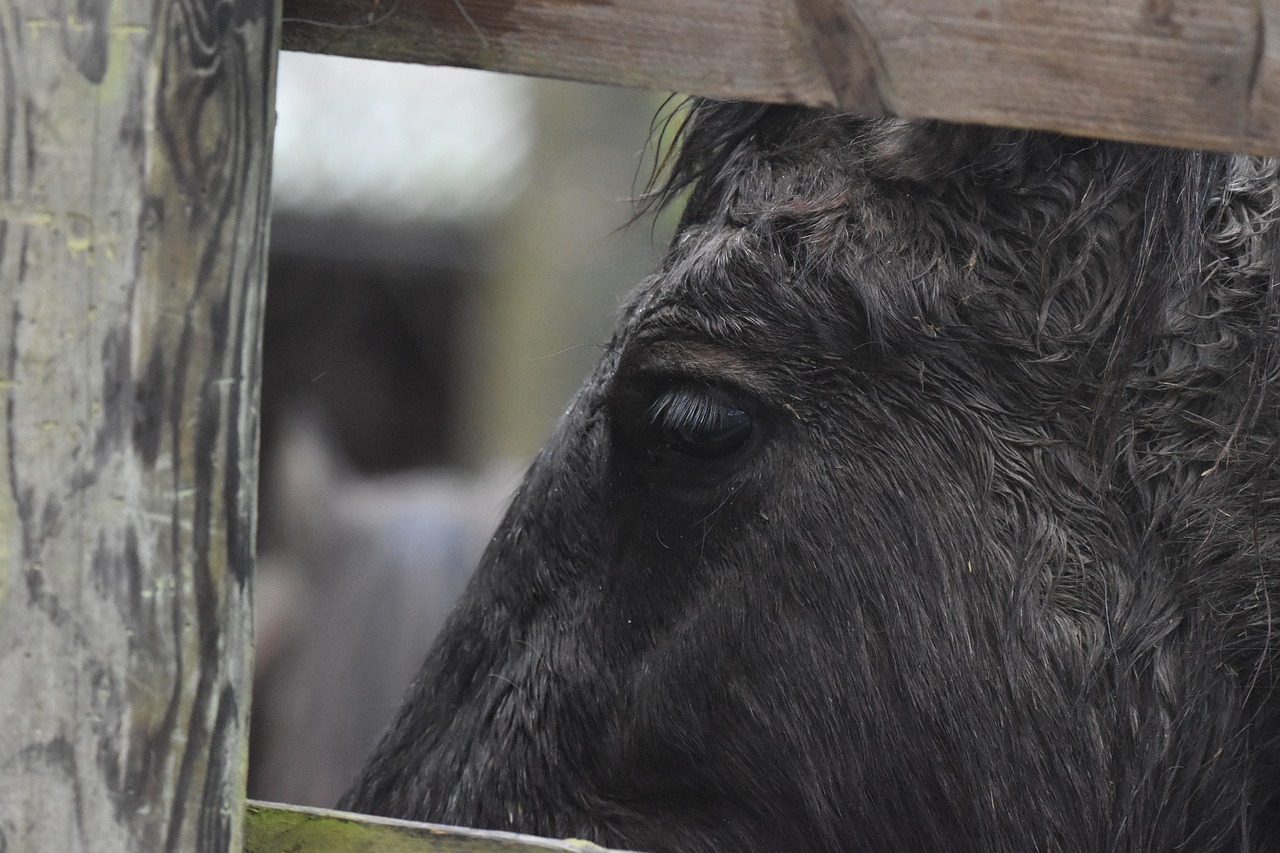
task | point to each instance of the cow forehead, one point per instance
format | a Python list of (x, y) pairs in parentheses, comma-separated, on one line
[(733, 289), (811, 228), (810, 290)]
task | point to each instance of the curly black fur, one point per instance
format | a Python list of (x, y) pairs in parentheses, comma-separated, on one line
[(994, 568)]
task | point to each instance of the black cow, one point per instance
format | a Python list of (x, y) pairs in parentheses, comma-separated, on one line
[(927, 499)]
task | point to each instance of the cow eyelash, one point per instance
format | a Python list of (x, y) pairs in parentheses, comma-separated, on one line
[(699, 422)]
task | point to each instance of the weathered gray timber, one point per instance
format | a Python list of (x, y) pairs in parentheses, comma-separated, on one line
[(134, 160), (1202, 73)]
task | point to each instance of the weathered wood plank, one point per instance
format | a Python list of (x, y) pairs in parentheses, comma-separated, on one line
[(747, 47), (134, 156), (1201, 73), (273, 828)]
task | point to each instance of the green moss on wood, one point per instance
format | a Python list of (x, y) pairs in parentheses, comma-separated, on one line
[(271, 828)]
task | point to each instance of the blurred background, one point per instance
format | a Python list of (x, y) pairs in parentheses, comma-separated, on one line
[(449, 250)]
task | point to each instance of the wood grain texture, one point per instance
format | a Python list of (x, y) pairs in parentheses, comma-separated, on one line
[(134, 156), (273, 828), (1203, 73)]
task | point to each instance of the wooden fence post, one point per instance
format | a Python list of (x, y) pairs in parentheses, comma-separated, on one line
[(134, 199)]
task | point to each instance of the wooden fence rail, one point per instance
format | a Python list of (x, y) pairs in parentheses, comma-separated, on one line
[(271, 828), (1202, 73)]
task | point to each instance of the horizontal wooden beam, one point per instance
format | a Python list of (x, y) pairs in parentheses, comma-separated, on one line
[(275, 828), (1201, 73)]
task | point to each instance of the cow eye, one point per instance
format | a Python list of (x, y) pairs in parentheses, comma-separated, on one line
[(699, 422)]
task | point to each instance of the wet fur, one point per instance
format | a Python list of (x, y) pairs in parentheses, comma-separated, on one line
[(997, 571)]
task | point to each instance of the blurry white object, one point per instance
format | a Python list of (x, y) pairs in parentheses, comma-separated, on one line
[(396, 140)]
